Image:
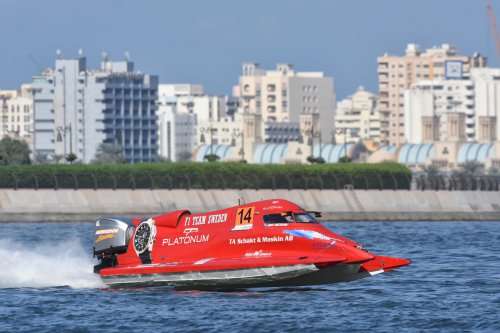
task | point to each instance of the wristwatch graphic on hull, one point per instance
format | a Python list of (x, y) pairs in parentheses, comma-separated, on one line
[(144, 239)]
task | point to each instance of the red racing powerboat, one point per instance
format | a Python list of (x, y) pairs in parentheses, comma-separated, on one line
[(270, 243)]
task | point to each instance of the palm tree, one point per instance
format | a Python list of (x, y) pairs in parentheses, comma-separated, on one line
[(108, 154), (432, 173), (14, 151), (472, 168)]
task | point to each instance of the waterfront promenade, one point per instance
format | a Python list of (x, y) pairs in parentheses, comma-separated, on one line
[(336, 205)]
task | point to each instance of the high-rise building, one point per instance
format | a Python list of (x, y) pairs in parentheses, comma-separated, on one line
[(77, 109), (357, 118), (282, 95), (398, 73), (16, 113)]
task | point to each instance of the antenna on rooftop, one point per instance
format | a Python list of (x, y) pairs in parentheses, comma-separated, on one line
[(127, 56), (59, 54), (104, 56)]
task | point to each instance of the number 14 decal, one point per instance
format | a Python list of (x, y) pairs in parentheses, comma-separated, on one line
[(244, 218)]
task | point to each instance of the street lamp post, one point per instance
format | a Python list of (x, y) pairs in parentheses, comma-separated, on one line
[(311, 134), (343, 131), (33, 92), (65, 129), (236, 134), (210, 130)]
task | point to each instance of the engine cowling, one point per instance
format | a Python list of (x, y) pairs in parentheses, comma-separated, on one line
[(112, 235)]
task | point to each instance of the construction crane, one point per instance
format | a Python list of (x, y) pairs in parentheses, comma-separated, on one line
[(493, 22), (33, 60)]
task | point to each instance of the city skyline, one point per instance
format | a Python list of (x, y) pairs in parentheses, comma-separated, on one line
[(206, 42)]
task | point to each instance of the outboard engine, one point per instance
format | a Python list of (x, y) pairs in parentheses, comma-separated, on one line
[(111, 237)]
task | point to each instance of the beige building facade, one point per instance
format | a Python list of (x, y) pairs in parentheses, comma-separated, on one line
[(357, 118), (398, 73), (16, 113), (282, 95)]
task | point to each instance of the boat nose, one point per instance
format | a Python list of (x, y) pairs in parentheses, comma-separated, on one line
[(391, 263), (385, 264), (355, 255)]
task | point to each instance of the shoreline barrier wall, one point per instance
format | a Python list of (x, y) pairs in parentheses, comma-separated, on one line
[(64, 205)]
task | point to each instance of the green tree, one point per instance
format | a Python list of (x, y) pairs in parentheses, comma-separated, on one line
[(318, 160), (40, 159), (57, 158), (493, 171), (212, 157), (108, 154), (163, 159), (14, 151), (431, 171), (184, 156), (71, 157), (344, 159), (471, 169)]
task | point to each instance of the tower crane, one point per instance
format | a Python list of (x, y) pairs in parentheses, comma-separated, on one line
[(493, 22)]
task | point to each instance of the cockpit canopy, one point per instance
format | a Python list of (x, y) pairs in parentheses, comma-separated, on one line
[(291, 217)]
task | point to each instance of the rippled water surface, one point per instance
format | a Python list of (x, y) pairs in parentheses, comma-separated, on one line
[(453, 285)]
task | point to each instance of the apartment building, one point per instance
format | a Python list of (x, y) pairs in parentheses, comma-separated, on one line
[(474, 102), (282, 95), (398, 73), (357, 118), (16, 113)]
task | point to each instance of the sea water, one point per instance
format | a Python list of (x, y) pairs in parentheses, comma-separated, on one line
[(452, 285)]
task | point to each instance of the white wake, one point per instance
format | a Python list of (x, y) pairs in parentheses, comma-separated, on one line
[(46, 265)]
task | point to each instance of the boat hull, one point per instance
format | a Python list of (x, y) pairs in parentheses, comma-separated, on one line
[(282, 276)]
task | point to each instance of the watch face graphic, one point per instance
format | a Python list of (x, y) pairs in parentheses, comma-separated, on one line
[(142, 237)]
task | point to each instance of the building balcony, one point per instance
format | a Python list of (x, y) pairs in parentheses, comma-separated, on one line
[(382, 69)]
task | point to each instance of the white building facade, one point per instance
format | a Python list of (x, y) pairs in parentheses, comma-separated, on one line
[(76, 110), (475, 99), (187, 117), (487, 103), (430, 104)]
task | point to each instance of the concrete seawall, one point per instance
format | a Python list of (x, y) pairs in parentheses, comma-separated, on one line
[(86, 205)]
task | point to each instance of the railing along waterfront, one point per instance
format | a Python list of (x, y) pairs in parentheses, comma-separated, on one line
[(457, 183), (132, 181), (335, 181)]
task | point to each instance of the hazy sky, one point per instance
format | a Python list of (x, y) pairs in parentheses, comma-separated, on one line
[(205, 41)]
